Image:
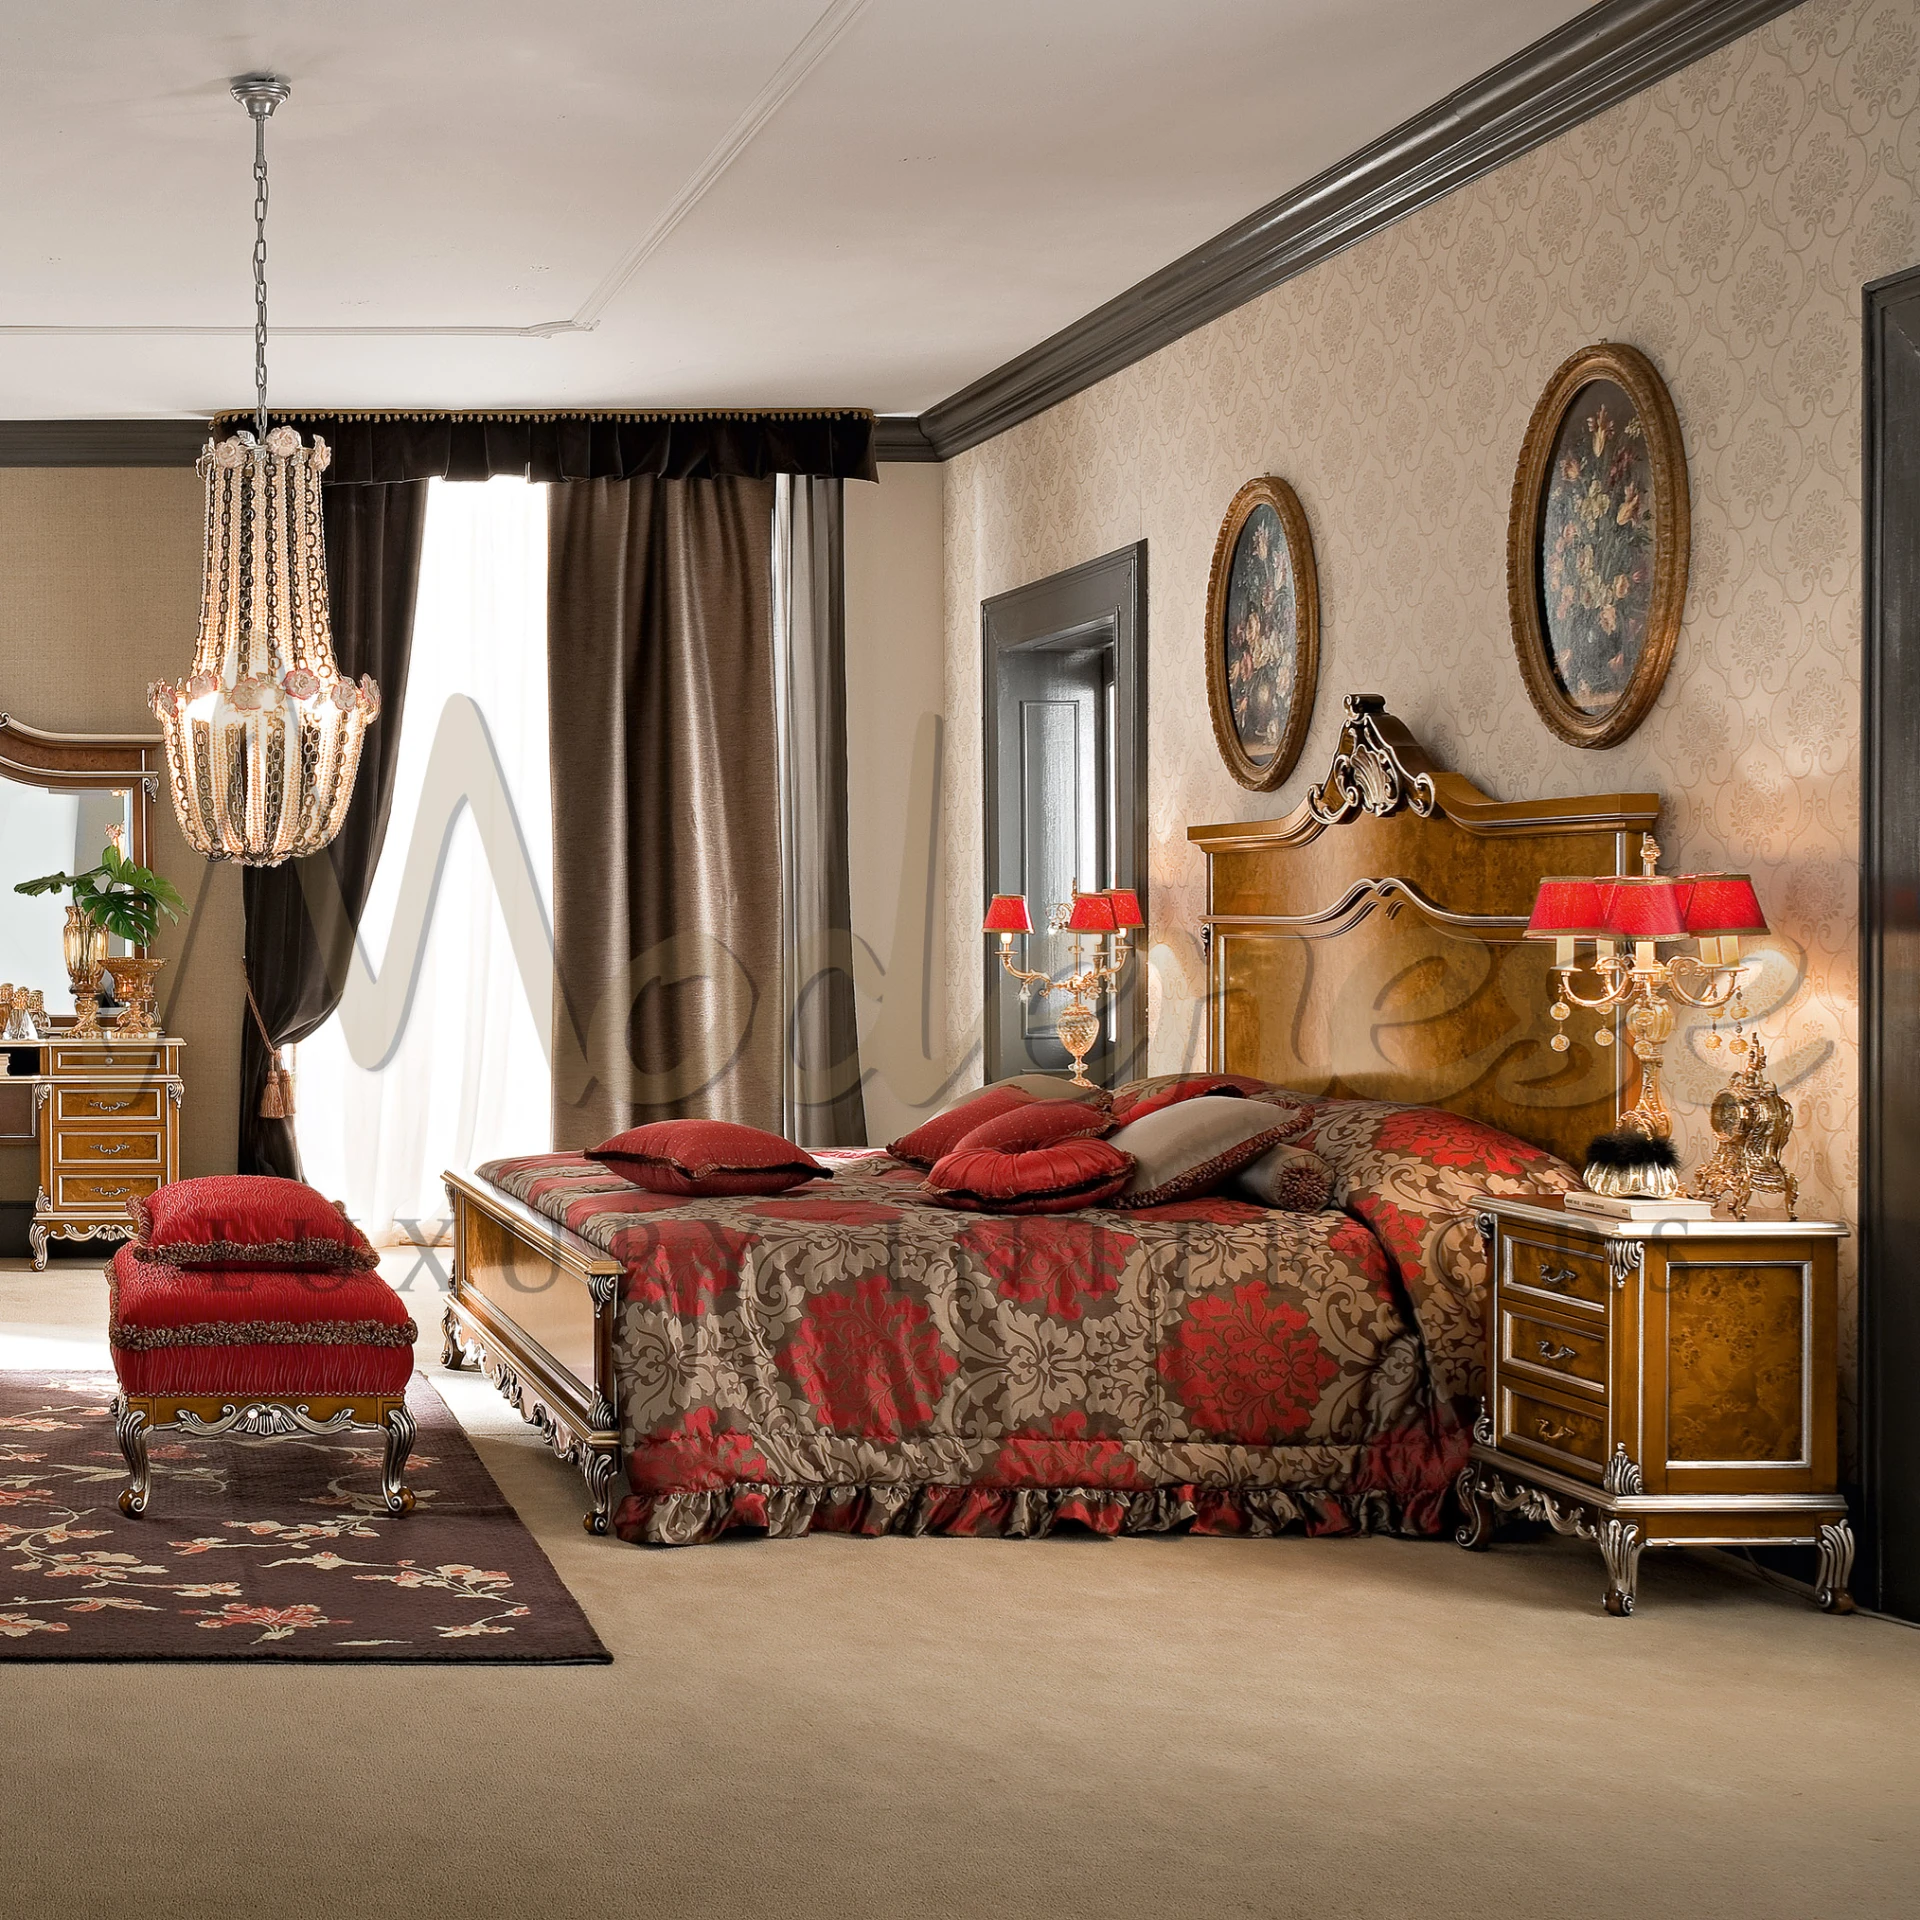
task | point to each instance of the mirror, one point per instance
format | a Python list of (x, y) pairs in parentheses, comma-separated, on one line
[(59, 794)]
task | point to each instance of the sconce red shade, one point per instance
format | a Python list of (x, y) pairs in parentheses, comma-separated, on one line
[(1126, 907), (1653, 908), (1092, 913), (1721, 903), (1007, 913), (1570, 908)]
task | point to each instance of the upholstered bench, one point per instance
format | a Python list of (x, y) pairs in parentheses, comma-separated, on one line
[(249, 1306)]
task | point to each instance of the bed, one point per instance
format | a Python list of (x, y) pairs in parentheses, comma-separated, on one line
[(850, 1357)]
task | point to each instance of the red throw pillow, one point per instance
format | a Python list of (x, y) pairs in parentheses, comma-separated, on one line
[(1056, 1179), (706, 1157), (1042, 1123), (936, 1138), (246, 1220), (1138, 1098)]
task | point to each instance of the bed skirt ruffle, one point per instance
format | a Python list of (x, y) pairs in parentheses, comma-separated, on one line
[(1019, 1513)]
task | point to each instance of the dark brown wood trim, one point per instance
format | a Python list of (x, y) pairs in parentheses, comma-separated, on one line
[(101, 443), (900, 437), (1602, 56)]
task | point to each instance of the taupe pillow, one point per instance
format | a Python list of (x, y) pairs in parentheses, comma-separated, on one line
[(1195, 1146), (1292, 1178)]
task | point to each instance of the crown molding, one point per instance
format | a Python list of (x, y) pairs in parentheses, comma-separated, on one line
[(900, 436), (1602, 56), (101, 443)]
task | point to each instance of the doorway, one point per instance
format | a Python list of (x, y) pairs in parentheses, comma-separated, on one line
[(1065, 769), (1888, 1574)]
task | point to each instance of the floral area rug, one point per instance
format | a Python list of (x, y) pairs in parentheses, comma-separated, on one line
[(262, 1549)]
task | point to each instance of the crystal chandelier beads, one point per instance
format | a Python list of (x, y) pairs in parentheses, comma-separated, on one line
[(263, 736)]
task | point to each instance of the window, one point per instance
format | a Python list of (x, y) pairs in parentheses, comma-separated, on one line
[(399, 1084)]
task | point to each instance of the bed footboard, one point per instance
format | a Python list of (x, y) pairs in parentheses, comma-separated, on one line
[(533, 1306)]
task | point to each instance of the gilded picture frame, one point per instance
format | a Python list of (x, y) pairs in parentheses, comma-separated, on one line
[(1598, 538), (1263, 633)]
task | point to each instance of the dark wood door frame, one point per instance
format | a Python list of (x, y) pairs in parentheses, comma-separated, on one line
[(1888, 1575), (1104, 595)]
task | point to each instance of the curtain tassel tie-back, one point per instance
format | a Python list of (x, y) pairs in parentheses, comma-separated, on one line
[(276, 1097)]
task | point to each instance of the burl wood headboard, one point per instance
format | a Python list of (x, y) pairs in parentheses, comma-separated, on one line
[(1369, 945)]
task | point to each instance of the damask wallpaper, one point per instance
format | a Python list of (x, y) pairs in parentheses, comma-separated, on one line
[(1723, 222)]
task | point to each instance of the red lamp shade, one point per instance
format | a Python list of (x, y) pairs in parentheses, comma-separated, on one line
[(1647, 908), (1569, 909), (1126, 907), (1722, 903), (1092, 913), (1007, 913)]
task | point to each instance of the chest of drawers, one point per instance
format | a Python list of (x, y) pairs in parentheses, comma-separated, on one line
[(107, 1113), (1661, 1384)]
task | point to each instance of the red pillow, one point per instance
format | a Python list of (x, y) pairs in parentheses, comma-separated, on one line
[(1057, 1179), (1041, 1123), (706, 1157), (246, 1220), (1142, 1097), (936, 1138)]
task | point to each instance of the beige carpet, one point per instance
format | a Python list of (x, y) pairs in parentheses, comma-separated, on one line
[(1062, 1728)]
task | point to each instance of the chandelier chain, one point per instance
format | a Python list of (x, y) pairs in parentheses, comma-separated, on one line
[(260, 271)]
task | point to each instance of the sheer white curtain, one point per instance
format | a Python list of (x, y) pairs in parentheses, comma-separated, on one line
[(468, 1078)]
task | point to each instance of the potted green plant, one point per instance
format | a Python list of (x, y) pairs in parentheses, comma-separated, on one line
[(121, 899)]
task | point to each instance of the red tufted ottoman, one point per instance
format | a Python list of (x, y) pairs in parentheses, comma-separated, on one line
[(255, 1350)]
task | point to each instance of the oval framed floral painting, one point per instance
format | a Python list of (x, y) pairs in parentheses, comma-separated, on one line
[(1263, 633), (1597, 545)]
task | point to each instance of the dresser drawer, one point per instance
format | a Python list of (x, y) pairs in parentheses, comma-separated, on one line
[(1575, 1356), (76, 1063), (101, 1193), (108, 1147), (1571, 1438), (1537, 1269), (92, 1105)]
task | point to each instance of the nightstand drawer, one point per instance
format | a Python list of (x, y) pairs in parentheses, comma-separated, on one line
[(73, 1063), (102, 1193), (91, 1105), (1574, 1276), (1575, 1356), (1571, 1438), (88, 1147)]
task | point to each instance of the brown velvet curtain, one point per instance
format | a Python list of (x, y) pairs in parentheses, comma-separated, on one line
[(666, 805), (301, 925)]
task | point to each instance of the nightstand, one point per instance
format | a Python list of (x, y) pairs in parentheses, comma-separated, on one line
[(1660, 1384)]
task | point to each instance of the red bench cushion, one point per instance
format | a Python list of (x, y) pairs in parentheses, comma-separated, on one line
[(246, 1220), (255, 1332)]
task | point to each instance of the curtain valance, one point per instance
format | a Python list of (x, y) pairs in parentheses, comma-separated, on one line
[(371, 449)]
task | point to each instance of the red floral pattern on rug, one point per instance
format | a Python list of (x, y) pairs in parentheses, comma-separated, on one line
[(263, 1549)]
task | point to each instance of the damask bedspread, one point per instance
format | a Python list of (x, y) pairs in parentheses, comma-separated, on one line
[(850, 1357)]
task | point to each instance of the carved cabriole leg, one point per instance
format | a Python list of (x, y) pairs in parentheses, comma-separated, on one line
[(598, 1468), (37, 1239), (1475, 1531), (1620, 1545), (400, 1434), (453, 1352), (130, 1429), (1835, 1542)]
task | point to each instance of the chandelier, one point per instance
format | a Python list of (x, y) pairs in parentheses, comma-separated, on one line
[(263, 736)]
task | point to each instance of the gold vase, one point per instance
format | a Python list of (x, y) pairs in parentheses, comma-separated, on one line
[(133, 981), (83, 946)]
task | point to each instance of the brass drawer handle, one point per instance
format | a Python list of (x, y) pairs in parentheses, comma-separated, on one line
[(104, 1192), (109, 1106), (1551, 1430), (1548, 1351), (104, 1152), (1556, 1276)]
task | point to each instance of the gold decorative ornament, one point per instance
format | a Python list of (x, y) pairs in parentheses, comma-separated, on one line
[(1752, 1123), (263, 736), (1598, 536), (133, 980), (1263, 633)]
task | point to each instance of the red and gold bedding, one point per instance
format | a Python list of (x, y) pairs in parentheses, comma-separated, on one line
[(849, 1357)]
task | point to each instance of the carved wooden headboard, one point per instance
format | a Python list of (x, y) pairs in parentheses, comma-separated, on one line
[(1369, 945)]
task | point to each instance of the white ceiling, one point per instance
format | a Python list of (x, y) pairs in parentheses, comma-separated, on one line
[(755, 202)]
